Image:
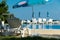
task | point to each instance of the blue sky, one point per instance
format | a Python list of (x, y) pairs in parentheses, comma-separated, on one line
[(53, 7)]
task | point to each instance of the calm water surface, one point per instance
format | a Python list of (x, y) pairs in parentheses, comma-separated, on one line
[(38, 26)]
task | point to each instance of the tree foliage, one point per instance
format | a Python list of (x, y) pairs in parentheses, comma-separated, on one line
[(3, 9)]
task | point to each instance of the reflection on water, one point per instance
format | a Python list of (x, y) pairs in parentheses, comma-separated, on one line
[(41, 26)]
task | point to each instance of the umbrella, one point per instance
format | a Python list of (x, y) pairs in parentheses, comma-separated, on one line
[(25, 3)]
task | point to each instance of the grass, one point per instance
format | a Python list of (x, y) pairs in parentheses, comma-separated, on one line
[(25, 38)]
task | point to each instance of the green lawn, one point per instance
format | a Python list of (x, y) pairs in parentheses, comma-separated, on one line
[(26, 38)]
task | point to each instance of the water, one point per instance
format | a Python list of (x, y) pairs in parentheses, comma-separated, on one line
[(43, 26)]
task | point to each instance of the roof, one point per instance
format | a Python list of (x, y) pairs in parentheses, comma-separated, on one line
[(14, 22)]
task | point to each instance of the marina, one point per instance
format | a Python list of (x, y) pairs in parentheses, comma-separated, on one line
[(38, 18), (35, 29)]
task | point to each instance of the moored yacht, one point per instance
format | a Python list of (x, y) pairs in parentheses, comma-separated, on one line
[(50, 21), (40, 21), (34, 21)]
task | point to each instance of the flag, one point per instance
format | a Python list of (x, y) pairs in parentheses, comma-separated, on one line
[(21, 4), (39, 14), (32, 14), (47, 14)]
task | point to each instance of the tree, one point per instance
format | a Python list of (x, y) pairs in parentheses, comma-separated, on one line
[(3, 9)]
